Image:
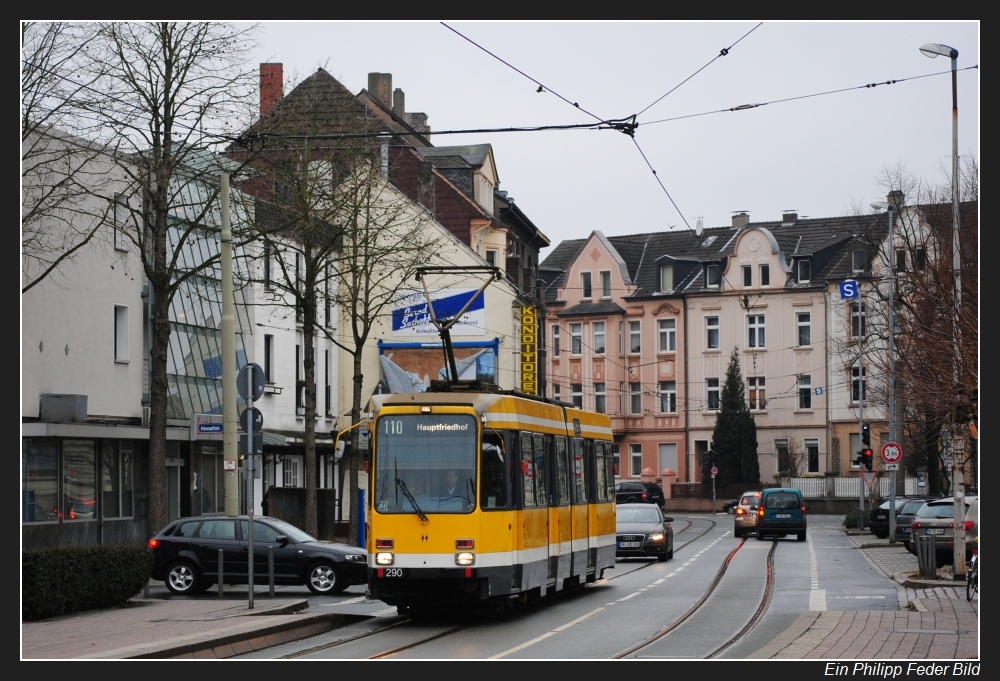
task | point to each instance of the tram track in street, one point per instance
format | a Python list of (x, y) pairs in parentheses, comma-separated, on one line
[(697, 532)]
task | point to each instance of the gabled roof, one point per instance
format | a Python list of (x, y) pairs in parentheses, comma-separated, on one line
[(473, 154)]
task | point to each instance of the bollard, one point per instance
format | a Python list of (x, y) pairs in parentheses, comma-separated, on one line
[(220, 573), (926, 555), (270, 570)]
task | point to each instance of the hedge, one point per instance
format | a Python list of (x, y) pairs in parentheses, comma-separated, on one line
[(68, 580)]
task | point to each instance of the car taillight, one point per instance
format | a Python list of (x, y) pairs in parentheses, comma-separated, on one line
[(740, 511), (915, 525), (152, 543), (645, 496), (968, 525), (72, 514)]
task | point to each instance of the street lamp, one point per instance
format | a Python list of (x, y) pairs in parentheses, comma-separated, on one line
[(933, 50), (888, 208)]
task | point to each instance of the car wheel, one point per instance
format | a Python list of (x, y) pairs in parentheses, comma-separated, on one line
[(324, 579), (631, 500), (182, 578), (801, 536), (881, 535), (670, 552), (760, 536), (738, 534), (663, 557)]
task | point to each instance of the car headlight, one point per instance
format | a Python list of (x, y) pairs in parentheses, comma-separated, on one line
[(357, 558), (656, 537), (384, 558)]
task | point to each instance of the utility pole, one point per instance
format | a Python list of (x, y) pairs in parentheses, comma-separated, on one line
[(230, 437)]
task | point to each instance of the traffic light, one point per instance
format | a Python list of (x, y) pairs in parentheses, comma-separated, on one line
[(866, 457), (866, 435)]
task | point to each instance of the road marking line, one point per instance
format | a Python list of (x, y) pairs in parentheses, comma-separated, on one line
[(547, 634)]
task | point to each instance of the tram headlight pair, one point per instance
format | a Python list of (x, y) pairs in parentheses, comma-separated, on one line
[(384, 558), (465, 558)]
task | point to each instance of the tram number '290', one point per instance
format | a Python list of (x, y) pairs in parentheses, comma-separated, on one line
[(392, 572)]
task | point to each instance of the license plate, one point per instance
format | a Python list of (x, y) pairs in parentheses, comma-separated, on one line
[(629, 544), (782, 515), (935, 530), (391, 572)]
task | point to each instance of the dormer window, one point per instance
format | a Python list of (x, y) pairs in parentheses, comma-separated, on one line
[(858, 260), (666, 277), (713, 276), (803, 270)]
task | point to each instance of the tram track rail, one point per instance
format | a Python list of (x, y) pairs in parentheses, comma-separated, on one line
[(407, 620)]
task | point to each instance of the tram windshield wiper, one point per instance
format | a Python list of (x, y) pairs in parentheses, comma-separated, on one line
[(409, 497)]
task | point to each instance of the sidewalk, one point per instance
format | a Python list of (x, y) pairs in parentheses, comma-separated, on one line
[(934, 621)]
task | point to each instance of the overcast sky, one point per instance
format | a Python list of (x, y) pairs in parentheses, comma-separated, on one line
[(818, 143)]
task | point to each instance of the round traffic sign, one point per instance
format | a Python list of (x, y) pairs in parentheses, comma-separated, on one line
[(891, 452), (715, 470)]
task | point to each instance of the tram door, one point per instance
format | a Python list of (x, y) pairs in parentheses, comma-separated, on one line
[(581, 511)]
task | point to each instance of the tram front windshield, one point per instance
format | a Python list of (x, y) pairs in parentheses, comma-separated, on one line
[(425, 463)]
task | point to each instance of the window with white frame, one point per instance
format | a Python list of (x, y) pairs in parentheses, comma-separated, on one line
[(555, 340), (585, 285), (121, 333), (268, 358), (858, 388), (765, 275), (756, 396), (858, 260), (857, 319), (616, 458), (712, 332), (599, 338), (635, 398), (635, 455), (668, 335), (491, 256), (853, 449), (747, 276), (713, 276), (291, 471), (803, 270), (783, 454), (634, 338), (805, 391), (666, 277), (120, 217), (556, 390), (576, 394), (621, 397), (668, 397), (576, 339), (803, 324), (755, 331), (712, 385), (812, 454), (605, 284), (600, 398)]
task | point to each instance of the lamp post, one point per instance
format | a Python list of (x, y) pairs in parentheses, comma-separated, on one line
[(888, 207), (933, 50)]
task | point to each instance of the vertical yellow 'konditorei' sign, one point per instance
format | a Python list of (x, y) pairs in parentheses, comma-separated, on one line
[(529, 351)]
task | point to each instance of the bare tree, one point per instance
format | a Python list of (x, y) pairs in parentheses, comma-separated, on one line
[(59, 171), (936, 339), (170, 91), (338, 235)]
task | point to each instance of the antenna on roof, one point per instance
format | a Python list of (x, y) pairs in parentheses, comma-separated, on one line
[(699, 227)]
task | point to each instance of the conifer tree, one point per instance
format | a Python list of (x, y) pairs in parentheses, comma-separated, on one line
[(734, 439)]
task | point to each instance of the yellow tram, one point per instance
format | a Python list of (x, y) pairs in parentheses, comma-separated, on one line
[(484, 497)]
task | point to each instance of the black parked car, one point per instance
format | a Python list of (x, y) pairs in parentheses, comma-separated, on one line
[(878, 517), (636, 492), (186, 555)]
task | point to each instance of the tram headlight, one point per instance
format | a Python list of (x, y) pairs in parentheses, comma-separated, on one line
[(656, 537), (465, 558), (384, 558)]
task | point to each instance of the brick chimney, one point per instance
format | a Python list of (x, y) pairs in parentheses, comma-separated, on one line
[(272, 86), (789, 217), (896, 199), (741, 220), (399, 103), (380, 87)]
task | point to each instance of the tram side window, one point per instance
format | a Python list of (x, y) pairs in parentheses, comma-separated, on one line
[(580, 470), (562, 472), (540, 469), (603, 471), (493, 480), (527, 470)]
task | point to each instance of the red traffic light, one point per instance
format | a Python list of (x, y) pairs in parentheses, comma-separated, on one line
[(866, 457)]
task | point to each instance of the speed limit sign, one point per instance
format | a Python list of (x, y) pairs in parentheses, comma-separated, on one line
[(891, 452)]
